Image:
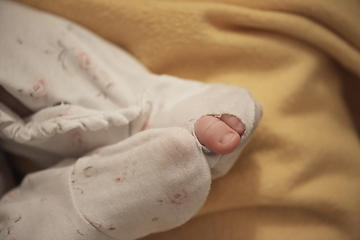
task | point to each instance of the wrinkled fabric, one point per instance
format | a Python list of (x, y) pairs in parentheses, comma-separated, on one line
[(299, 176), (115, 142)]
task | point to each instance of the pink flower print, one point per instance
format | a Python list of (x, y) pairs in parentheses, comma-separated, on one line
[(54, 117), (146, 126), (175, 198), (128, 169), (11, 196), (120, 177), (87, 64), (84, 61), (77, 139), (178, 198), (104, 76), (38, 90)]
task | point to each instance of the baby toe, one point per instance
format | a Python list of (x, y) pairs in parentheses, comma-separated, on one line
[(217, 135)]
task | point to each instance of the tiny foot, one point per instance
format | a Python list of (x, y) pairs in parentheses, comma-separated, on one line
[(221, 136)]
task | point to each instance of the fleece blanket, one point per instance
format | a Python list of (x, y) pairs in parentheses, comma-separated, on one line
[(299, 176)]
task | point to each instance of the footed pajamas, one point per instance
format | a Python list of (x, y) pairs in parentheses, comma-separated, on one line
[(115, 142)]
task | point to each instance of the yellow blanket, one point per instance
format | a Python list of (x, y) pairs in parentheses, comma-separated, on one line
[(299, 177)]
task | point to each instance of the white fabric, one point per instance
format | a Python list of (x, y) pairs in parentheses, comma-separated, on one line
[(141, 181)]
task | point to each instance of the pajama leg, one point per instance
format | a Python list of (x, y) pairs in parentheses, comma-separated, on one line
[(117, 93), (119, 191), (182, 103), (84, 92), (149, 181)]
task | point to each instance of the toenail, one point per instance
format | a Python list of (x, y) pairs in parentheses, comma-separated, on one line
[(241, 127), (228, 137)]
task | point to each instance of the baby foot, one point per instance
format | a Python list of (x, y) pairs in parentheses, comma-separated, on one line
[(220, 135)]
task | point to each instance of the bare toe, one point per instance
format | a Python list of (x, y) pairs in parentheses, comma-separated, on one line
[(221, 136), (234, 123)]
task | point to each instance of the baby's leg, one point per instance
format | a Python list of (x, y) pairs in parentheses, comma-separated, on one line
[(118, 95), (168, 177), (69, 58), (212, 112), (116, 192)]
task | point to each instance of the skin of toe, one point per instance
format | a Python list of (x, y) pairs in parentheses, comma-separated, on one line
[(233, 122), (217, 135)]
